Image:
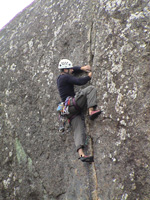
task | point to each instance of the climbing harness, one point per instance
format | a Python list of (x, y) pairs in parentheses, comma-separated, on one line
[(63, 110)]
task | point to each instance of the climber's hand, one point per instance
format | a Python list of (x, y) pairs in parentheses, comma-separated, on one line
[(86, 68), (90, 74)]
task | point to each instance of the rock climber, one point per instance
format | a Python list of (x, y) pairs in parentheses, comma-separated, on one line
[(84, 98)]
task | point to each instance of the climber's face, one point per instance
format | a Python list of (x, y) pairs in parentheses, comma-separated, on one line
[(70, 71)]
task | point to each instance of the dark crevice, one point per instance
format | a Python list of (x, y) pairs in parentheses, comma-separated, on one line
[(91, 170), (91, 55), (41, 57)]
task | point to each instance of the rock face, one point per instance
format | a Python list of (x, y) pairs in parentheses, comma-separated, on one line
[(39, 163)]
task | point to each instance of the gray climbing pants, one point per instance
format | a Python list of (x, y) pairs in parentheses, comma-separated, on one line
[(85, 98)]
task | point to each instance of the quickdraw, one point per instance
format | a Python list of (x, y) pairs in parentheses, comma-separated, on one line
[(63, 112)]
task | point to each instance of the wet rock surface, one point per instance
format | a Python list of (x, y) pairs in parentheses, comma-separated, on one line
[(39, 163)]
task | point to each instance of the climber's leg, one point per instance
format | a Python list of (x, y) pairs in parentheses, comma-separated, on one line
[(80, 152), (78, 126), (87, 96)]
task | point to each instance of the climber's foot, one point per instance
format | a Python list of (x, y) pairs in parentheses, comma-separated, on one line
[(94, 114), (87, 159)]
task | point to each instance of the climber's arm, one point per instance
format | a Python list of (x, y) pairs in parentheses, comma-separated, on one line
[(86, 68)]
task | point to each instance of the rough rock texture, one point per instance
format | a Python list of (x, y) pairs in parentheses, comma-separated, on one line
[(39, 163)]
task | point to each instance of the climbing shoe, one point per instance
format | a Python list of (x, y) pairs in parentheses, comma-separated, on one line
[(95, 114), (87, 159)]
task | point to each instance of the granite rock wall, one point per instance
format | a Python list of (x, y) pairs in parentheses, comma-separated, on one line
[(37, 161)]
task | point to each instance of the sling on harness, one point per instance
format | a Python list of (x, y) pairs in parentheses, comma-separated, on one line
[(70, 101)]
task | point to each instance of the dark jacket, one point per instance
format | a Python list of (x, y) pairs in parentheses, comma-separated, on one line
[(66, 82)]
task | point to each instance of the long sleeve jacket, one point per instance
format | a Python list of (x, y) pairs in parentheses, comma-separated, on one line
[(66, 82)]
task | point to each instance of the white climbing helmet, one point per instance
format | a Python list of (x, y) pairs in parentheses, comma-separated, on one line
[(65, 64)]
